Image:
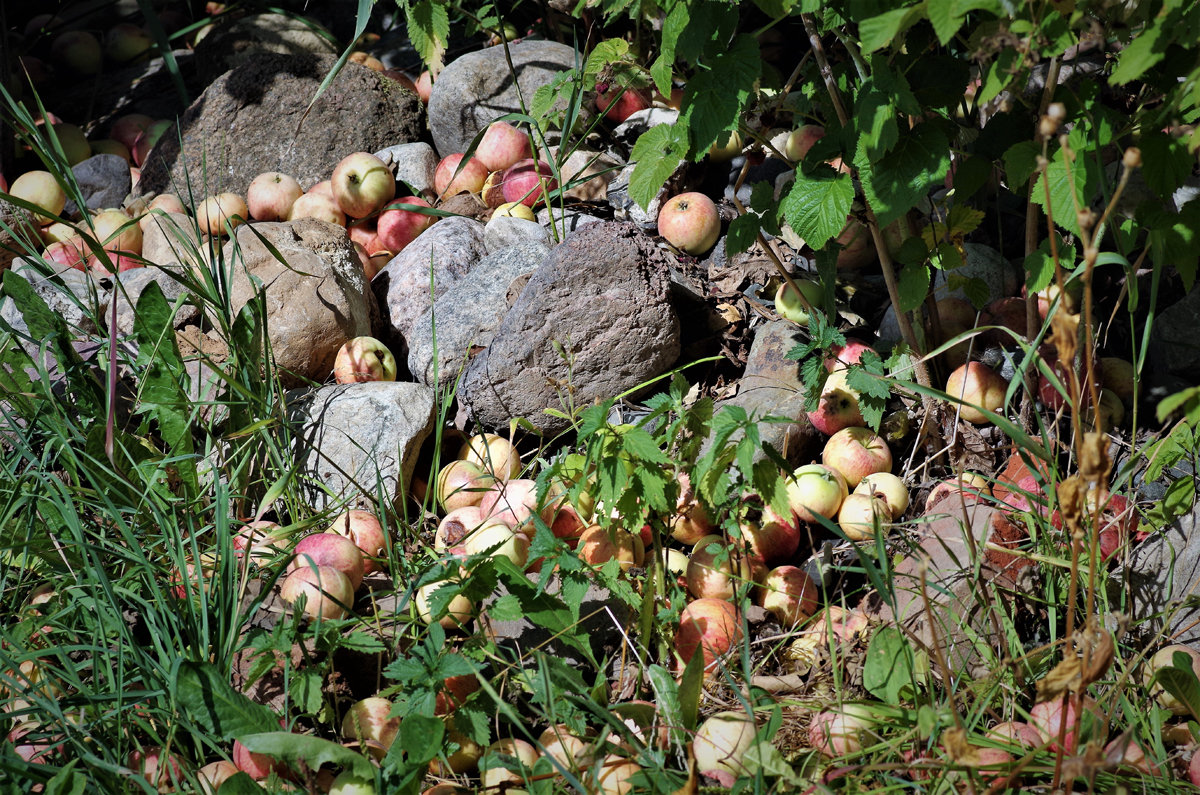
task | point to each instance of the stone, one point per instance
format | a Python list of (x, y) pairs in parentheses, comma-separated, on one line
[(476, 88), (1174, 347), (625, 208), (249, 121), (144, 87), (1157, 587), (595, 318), (468, 313), (561, 223), (451, 247), (628, 131), (771, 387), (316, 299), (171, 240), (356, 441), (128, 287), (594, 168), (68, 293), (18, 233), (504, 231), (232, 43), (413, 165), (771, 170), (104, 181)]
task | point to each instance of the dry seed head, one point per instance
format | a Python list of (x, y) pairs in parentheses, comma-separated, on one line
[(1064, 335), (1094, 464), (1132, 157), (1047, 127), (1072, 502), (1086, 218), (1057, 111)]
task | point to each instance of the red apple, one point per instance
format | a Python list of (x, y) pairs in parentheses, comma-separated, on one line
[(147, 141), (598, 545), (256, 766), (496, 539), (424, 86), (67, 253), (971, 485), (977, 385), (527, 181), (461, 483), (370, 723), (398, 227), (328, 591), (845, 355), (690, 522), (618, 105), (502, 145), (857, 452), (790, 595), (364, 359), (216, 215), (454, 528), (1016, 733), (1049, 717), (839, 407), (401, 78), (261, 539), (494, 454), (332, 550), (690, 223), (800, 140), (772, 540), (453, 176), (361, 184), (514, 502), (709, 626), (716, 570), (155, 765), (271, 195), (128, 128), (841, 731), (365, 530)]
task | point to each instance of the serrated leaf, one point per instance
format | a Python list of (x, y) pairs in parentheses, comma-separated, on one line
[(506, 608), (295, 748), (945, 18), (879, 31), (663, 67), (1172, 403), (421, 737), (817, 204), (1083, 175), (604, 53), (429, 31), (208, 700), (714, 99), (306, 690), (887, 671), (641, 445), (1165, 162), (743, 231), (998, 76), (895, 183), (913, 286), (865, 383), (708, 21), (875, 116), (1020, 161), (1144, 51), (657, 154)]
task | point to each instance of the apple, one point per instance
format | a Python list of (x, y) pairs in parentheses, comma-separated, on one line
[(424, 86), (256, 766), (40, 188), (67, 253), (1049, 717), (709, 626), (1164, 658), (514, 502), (1016, 733), (401, 78), (460, 762), (462, 483), (887, 487), (155, 765), (113, 262), (716, 570), (493, 453), (690, 223), (977, 385), (788, 303), (369, 722), (597, 546), (502, 145), (616, 775), (260, 539), (842, 356), (397, 227), (527, 181), (214, 774), (458, 611), (727, 146), (856, 453), (1129, 755), (107, 146), (216, 215), (569, 525), (317, 205), (800, 140), (841, 731), (148, 140), (496, 539), (367, 60), (790, 595), (616, 104), (361, 184), (327, 591), (332, 550), (858, 249), (348, 783), (502, 755), (720, 743), (454, 693), (365, 530), (816, 490), (514, 210), (455, 526), (79, 51), (690, 522), (364, 359), (126, 42), (971, 485), (568, 750), (270, 196), (772, 540), (839, 407), (116, 231), (454, 176), (860, 513), (323, 188), (128, 128)]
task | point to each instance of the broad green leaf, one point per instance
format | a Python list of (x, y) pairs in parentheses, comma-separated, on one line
[(888, 668), (1179, 680), (1082, 176), (895, 183), (506, 608), (421, 737), (776, 9), (664, 66), (295, 748), (429, 31), (163, 376), (207, 699), (606, 52), (880, 31), (743, 231), (67, 781), (875, 116), (656, 154), (998, 76), (691, 686), (240, 783), (1172, 403), (1020, 161), (1144, 51), (306, 690), (638, 443), (913, 286), (714, 99), (817, 204), (707, 21), (1165, 162), (1039, 266), (945, 17)]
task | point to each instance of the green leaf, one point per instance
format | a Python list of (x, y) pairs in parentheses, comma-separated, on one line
[(1039, 266), (945, 17), (1179, 680), (306, 690), (1020, 161), (875, 116), (743, 231), (240, 784), (606, 52), (506, 608), (663, 67), (913, 286), (1147, 49), (707, 21), (207, 699), (1165, 162), (895, 183), (1188, 399), (776, 9), (163, 376), (882, 30), (998, 76), (1083, 174), (429, 31), (421, 737), (295, 748), (657, 154), (691, 686), (67, 781), (714, 99), (817, 204), (666, 700), (888, 671), (641, 445)]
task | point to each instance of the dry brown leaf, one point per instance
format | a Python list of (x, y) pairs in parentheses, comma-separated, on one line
[(1067, 675)]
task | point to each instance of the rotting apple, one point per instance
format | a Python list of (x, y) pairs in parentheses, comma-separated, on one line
[(838, 407), (855, 453), (270, 196), (367, 533), (887, 487), (364, 359), (361, 184), (690, 222), (396, 227), (977, 386), (454, 528), (790, 595)]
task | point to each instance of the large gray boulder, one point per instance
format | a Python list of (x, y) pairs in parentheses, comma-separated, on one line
[(1159, 585), (477, 87), (234, 42), (593, 321), (104, 181), (316, 299), (250, 121), (355, 440)]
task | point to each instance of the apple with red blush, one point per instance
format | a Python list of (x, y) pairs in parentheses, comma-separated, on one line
[(397, 226), (527, 181), (457, 173), (690, 222), (857, 452), (361, 184), (503, 145), (838, 407), (618, 103), (977, 386), (270, 196)]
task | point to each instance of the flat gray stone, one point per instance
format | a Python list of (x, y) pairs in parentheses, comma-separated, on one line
[(504, 231), (104, 181), (413, 164), (66, 292), (357, 441), (478, 87), (1160, 585), (468, 313)]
